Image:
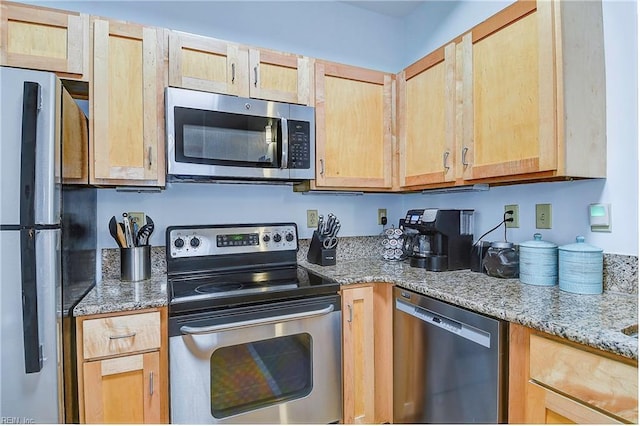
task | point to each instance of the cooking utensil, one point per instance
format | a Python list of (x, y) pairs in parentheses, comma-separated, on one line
[(142, 238), (128, 233), (116, 232), (330, 243)]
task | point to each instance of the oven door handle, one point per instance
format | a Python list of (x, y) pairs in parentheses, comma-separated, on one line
[(250, 323)]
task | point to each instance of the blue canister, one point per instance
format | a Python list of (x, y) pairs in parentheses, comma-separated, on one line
[(538, 262), (580, 268)]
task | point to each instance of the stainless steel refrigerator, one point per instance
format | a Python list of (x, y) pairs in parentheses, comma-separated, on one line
[(47, 249)]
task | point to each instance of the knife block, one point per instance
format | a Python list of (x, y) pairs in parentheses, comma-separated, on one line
[(318, 254)]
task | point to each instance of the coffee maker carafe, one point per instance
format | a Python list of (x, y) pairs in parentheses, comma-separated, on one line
[(440, 240)]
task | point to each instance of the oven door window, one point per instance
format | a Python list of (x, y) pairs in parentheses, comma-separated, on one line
[(259, 374), (220, 138)]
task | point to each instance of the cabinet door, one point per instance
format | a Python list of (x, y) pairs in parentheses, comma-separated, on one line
[(44, 39), (123, 389), (208, 64), (127, 105), (547, 407), (282, 77), (427, 120), (358, 355), (353, 127), (75, 150), (508, 94)]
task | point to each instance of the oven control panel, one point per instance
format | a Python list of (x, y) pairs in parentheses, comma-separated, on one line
[(191, 241)]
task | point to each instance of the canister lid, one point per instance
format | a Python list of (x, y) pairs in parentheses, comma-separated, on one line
[(502, 244), (538, 243), (581, 246)]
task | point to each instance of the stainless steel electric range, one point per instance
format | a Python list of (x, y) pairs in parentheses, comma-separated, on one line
[(253, 337)]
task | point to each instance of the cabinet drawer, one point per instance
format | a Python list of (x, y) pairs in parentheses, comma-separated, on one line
[(599, 381), (121, 334)]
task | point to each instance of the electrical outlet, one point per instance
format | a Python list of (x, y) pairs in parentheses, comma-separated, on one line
[(381, 213), (543, 216), (515, 215), (312, 218)]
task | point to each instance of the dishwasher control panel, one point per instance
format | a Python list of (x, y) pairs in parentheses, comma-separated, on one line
[(463, 330)]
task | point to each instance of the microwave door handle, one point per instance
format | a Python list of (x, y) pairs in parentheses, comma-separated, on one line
[(285, 143)]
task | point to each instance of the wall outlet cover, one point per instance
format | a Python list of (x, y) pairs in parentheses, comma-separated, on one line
[(381, 213), (515, 215), (312, 218)]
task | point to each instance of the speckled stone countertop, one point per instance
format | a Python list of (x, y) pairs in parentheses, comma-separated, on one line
[(593, 320), (113, 295)]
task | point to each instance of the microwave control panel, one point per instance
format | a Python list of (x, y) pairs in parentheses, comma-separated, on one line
[(299, 145)]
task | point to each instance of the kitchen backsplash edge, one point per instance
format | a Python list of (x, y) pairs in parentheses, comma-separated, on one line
[(620, 271)]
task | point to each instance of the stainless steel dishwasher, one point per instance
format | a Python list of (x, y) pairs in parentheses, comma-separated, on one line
[(450, 364)]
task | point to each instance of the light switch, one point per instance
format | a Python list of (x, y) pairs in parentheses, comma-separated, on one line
[(543, 216), (600, 217)]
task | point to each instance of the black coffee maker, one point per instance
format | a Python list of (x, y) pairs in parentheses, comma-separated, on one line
[(437, 239)]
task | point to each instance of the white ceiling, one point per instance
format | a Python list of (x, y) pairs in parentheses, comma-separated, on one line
[(393, 8)]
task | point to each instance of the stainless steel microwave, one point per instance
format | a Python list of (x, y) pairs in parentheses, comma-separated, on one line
[(216, 137)]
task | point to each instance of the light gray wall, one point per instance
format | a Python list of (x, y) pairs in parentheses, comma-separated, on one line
[(321, 29), (343, 33)]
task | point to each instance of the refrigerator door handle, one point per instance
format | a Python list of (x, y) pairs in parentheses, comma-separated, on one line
[(30, 108), (32, 346)]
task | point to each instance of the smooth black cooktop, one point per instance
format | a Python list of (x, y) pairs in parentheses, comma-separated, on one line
[(224, 289)]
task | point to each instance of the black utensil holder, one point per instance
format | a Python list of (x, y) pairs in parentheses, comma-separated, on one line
[(320, 255)]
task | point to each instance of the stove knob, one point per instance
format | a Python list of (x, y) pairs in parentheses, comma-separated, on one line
[(179, 243), (277, 238), (195, 242), (289, 237), (266, 238)]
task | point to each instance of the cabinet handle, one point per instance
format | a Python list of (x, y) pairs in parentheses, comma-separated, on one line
[(233, 73), (150, 159), (321, 167), (255, 74), (464, 156), (350, 313), (151, 383), (444, 161), (123, 336)]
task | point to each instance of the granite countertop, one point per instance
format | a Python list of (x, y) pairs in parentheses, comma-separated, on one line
[(114, 295), (593, 320)]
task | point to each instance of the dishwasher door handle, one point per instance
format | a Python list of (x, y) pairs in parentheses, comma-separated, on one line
[(449, 325), (255, 322)]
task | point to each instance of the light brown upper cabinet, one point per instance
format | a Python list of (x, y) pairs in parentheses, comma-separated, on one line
[(44, 39), (282, 77), (354, 127), (533, 93), (208, 64), (212, 65), (426, 120), (127, 105)]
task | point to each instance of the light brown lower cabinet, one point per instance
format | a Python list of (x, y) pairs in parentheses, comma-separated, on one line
[(122, 367), (552, 380), (367, 353)]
